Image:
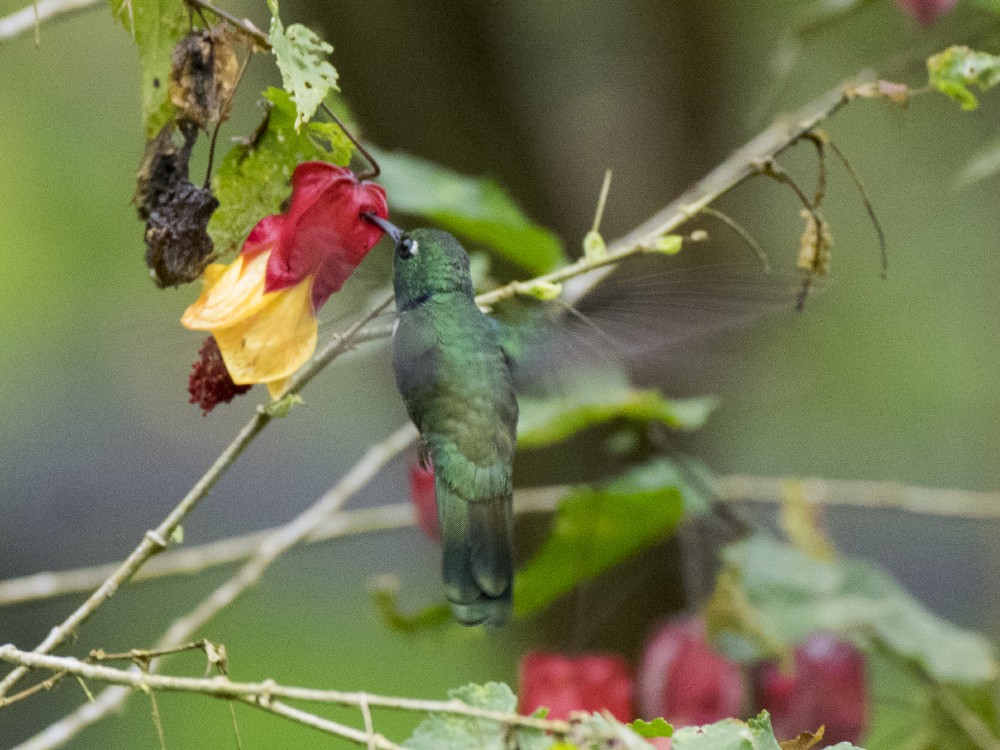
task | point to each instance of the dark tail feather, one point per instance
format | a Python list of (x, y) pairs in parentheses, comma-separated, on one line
[(476, 538)]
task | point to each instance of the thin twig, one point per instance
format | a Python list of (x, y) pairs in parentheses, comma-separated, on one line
[(152, 542), (242, 25), (927, 501), (743, 235), (272, 547), (155, 540), (196, 558), (882, 245), (222, 687), (31, 16)]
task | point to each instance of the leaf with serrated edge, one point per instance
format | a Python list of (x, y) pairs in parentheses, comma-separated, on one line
[(650, 729), (954, 71), (305, 74), (453, 732)]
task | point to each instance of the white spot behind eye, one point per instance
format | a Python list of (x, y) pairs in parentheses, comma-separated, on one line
[(414, 248)]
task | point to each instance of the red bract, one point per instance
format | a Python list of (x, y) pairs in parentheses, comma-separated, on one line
[(424, 499), (564, 684), (322, 234), (210, 383), (925, 12), (827, 688), (683, 680)]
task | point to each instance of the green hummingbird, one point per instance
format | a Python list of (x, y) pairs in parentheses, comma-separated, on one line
[(456, 382)]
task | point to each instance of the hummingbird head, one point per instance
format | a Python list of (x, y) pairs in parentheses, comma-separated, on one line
[(426, 262)]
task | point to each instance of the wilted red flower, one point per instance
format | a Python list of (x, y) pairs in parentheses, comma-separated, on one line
[(925, 12), (209, 383), (424, 499), (262, 307), (828, 687), (575, 683), (684, 681)]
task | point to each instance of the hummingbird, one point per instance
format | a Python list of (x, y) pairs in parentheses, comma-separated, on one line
[(459, 372), (457, 384)]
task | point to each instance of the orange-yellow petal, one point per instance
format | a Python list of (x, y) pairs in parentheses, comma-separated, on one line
[(231, 294), (277, 387), (275, 341)]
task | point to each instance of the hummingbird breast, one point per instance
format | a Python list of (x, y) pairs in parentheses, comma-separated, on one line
[(455, 381)]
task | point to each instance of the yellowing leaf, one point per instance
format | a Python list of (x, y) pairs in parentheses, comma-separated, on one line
[(954, 71)]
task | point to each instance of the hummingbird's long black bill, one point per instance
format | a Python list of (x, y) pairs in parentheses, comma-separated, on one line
[(385, 225)]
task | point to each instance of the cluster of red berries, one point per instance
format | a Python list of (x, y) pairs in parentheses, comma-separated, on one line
[(682, 679)]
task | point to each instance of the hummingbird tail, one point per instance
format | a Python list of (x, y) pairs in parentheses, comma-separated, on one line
[(477, 541)]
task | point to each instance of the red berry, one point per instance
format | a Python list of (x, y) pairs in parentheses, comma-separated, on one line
[(686, 682), (827, 688), (575, 683), (925, 12)]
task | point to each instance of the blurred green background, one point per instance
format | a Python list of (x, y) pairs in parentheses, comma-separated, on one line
[(882, 380)]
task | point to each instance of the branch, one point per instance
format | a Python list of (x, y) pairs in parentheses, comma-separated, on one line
[(196, 558), (261, 694), (274, 545), (33, 15), (930, 501), (155, 540)]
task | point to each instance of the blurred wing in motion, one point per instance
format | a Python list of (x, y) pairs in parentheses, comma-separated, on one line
[(641, 313)]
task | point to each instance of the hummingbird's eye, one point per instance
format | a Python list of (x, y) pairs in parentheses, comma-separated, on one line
[(407, 248)]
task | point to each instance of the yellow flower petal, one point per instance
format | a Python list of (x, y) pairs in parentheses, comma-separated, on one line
[(275, 341), (277, 387), (231, 294)]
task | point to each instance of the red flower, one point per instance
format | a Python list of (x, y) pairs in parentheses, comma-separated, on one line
[(322, 234), (828, 687), (925, 12), (424, 499), (575, 683), (262, 307), (684, 681)]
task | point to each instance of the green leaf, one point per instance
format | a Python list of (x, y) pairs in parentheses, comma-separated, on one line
[(953, 71), (650, 729), (253, 179), (909, 710), (156, 26), (603, 731), (477, 209), (387, 603), (788, 595), (600, 397), (451, 732), (730, 734), (597, 528), (305, 74)]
